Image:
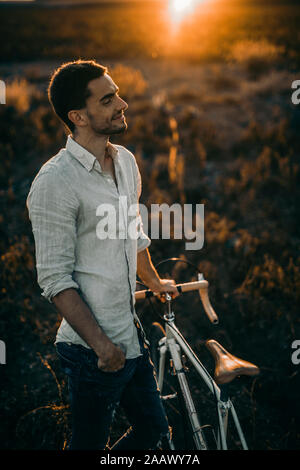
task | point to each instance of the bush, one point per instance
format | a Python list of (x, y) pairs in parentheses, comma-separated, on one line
[(130, 81), (255, 56)]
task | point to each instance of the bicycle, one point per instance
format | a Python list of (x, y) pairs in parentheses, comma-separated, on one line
[(170, 341)]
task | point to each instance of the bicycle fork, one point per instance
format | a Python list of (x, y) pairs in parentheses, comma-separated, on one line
[(192, 414)]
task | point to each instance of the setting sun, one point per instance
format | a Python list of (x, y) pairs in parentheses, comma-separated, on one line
[(182, 5), (180, 8)]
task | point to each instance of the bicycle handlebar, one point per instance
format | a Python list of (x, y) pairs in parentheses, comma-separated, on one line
[(201, 286)]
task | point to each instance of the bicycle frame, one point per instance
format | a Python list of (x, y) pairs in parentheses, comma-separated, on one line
[(174, 343)]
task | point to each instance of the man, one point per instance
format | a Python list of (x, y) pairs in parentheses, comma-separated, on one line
[(89, 276)]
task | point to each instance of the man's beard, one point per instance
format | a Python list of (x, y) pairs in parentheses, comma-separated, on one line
[(110, 131), (107, 130)]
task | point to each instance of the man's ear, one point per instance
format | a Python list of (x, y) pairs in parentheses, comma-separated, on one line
[(78, 118)]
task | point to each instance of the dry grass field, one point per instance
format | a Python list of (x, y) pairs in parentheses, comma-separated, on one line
[(210, 121)]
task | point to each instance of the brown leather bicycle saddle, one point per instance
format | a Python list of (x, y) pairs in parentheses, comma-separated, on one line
[(228, 366)]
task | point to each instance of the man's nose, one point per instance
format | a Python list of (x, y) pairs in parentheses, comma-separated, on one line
[(122, 104)]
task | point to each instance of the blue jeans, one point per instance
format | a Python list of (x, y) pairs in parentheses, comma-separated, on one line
[(95, 396)]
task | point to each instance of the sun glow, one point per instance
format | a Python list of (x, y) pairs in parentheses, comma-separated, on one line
[(182, 5), (180, 8)]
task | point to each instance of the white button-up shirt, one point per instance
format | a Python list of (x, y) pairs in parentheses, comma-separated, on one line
[(73, 250)]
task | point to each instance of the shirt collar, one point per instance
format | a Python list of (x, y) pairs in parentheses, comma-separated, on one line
[(86, 158)]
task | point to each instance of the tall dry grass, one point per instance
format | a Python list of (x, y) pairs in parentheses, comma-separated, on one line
[(241, 161)]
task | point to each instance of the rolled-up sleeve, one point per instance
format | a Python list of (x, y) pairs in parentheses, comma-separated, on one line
[(52, 211), (143, 241)]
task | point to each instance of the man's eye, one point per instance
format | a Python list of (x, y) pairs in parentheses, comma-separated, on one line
[(107, 101)]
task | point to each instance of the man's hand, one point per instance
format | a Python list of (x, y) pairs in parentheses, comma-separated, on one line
[(150, 277), (112, 359), (163, 286), (77, 313)]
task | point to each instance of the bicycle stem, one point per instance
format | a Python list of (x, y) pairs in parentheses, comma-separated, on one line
[(170, 314)]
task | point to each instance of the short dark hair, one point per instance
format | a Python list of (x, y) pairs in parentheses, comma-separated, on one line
[(68, 87)]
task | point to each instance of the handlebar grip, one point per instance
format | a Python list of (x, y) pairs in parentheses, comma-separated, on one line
[(212, 316)]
